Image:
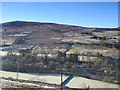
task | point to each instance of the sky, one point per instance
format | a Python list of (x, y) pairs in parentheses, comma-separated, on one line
[(60, 0), (88, 14)]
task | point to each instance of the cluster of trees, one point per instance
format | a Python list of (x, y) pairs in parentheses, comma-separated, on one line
[(103, 69), (56, 30), (19, 40), (106, 69), (33, 63)]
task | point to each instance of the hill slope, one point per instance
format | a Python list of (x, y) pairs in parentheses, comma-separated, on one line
[(36, 33)]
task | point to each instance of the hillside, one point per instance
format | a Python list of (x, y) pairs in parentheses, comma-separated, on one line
[(48, 33), (20, 34), (36, 33)]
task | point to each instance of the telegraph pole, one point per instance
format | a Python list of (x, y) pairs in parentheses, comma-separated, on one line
[(17, 70), (61, 74), (61, 78), (18, 65)]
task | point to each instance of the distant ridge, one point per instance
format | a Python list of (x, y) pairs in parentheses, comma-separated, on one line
[(39, 33), (23, 23)]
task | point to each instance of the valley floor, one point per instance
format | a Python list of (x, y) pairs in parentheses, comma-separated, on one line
[(76, 82)]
